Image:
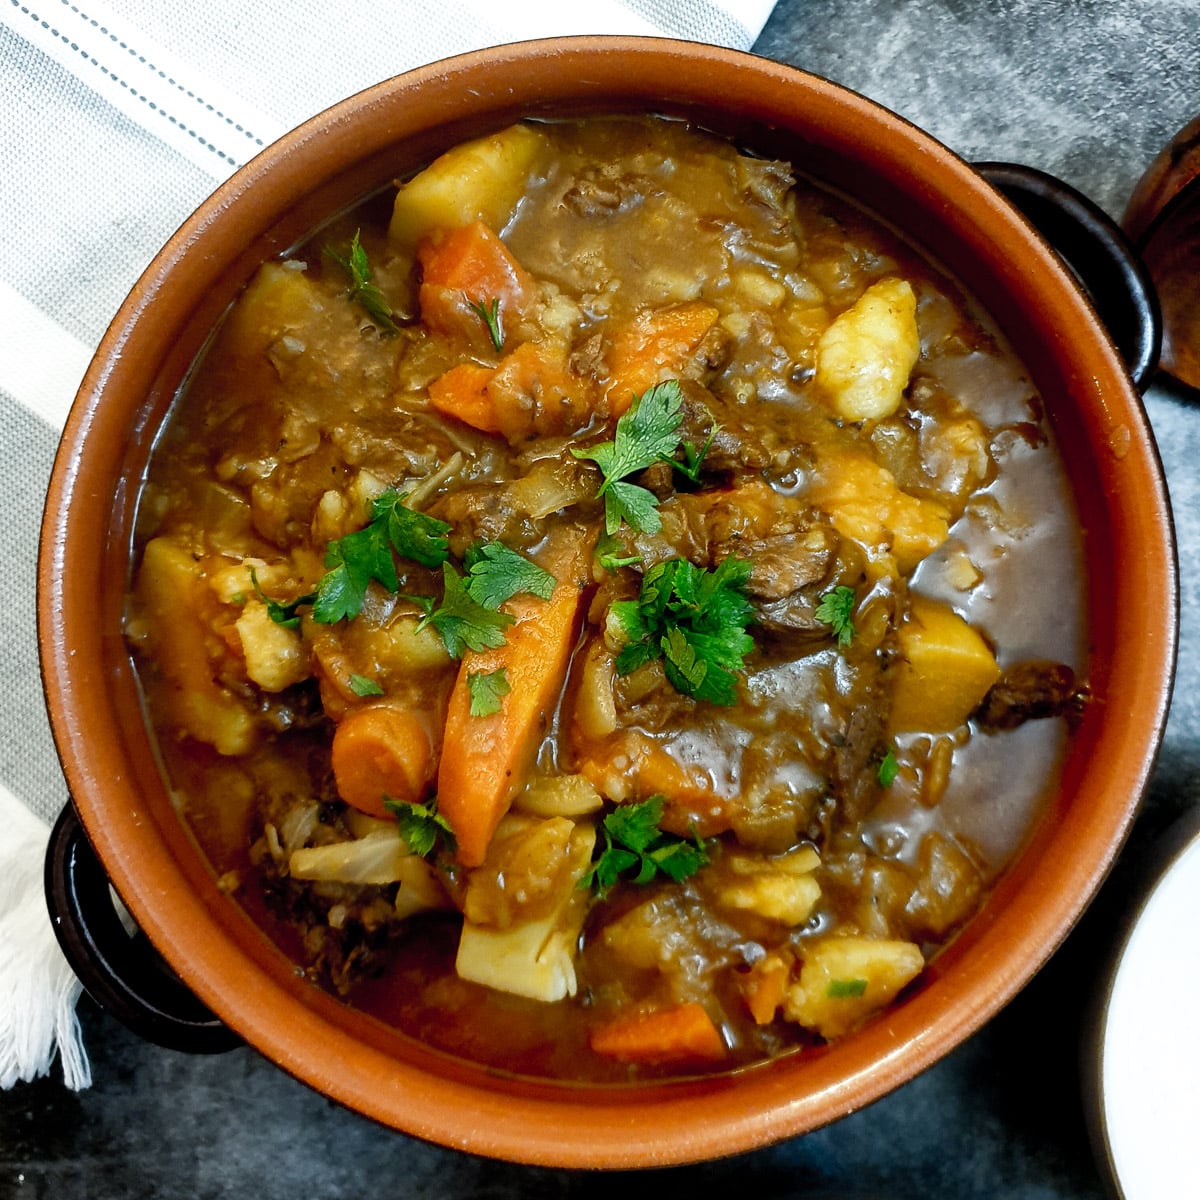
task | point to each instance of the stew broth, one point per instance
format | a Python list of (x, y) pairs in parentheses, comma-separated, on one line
[(804, 610)]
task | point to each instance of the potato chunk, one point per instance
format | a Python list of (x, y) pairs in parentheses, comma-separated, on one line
[(865, 357), (275, 655), (535, 957), (178, 605), (478, 181), (845, 979), (945, 670), (865, 503)]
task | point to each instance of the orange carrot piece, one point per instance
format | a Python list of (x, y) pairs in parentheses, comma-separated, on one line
[(462, 392), (486, 760), (764, 986), (633, 766), (464, 266), (654, 346), (534, 391), (683, 1034), (382, 750)]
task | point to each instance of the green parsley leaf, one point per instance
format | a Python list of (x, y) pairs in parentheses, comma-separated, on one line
[(414, 535), (362, 290), (837, 611), (421, 827), (281, 613), (632, 839), (497, 573), (489, 313), (888, 769), (366, 555), (693, 459), (845, 989), (646, 432), (360, 685), (608, 554), (463, 623), (694, 620), (486, 689)]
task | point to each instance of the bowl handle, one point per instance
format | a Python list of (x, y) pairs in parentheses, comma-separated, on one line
[(1098, 254), (122, 972)]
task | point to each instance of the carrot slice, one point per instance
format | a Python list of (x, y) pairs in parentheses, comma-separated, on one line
[(683, 1034), (382, 750), (654, 346), (485, 760), (462, 392), (469, 266)]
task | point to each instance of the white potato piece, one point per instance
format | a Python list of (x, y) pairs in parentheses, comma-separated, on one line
[(275, 655), (534, 958), (864, 359), (845, 979)]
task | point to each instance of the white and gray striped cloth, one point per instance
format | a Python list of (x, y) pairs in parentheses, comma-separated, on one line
[(118, 118)]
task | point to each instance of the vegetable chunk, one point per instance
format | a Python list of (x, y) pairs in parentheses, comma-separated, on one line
[(945, 670), (481, 180), (680, 1035), (486, 759), (845, 979), (865, 357)]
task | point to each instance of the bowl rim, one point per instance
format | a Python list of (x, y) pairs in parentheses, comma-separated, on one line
[(584, 1127)]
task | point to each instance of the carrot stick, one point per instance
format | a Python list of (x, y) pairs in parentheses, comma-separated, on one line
[(462, 392), (382, 750), (654, 346), (469, 266), (486, 760), (682, 1034)]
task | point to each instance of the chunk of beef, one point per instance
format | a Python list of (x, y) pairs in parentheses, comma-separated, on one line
[(605, 189), (1028, 691)]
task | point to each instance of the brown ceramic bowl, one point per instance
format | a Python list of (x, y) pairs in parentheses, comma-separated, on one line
[(853, 145)]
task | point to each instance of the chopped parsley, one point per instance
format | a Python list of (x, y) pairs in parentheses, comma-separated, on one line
[(421, 826), (357, 559), (360, 685), (362, 290), (608, 554), (837, 611), (646, 432), (692, 618), (888, 769), (487, 689), (461, 621), (845, 989), (489, 314), (498, 573), (281, 613), (634, 842)]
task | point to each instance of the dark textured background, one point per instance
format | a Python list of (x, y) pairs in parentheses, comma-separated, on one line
[(1088, 90)]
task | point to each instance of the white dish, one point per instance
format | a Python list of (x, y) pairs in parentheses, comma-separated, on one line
[(1148, 1070)]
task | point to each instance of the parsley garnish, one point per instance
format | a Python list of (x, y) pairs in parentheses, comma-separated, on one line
[(421, 826), (608, 554), (888, 769), (646, 432), (632, 839), (487, 688), (845, 989), (694, 620), (498, 573), (362, 290), (489, 313), (463, 623), (360, 685), (837, 611), (358, 558), (280, 613)]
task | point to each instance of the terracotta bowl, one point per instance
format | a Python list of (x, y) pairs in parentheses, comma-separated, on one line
[(853, 145)]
